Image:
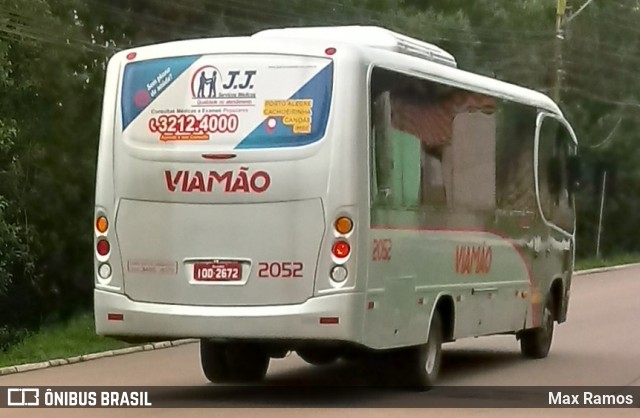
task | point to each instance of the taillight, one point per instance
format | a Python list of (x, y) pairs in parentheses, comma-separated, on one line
[(341, 249), (103, 247)]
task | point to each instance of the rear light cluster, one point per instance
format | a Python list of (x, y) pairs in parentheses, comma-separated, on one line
[(341, 248), (103, 248)]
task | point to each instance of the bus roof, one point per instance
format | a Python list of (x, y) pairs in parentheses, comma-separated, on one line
[(366, 36), (397, 51), (463, 79)]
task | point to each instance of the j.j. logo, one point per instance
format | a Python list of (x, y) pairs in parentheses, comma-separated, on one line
[(208, 82), (204, 83)]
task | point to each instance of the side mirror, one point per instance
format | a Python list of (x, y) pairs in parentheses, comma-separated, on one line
[(574, 168)]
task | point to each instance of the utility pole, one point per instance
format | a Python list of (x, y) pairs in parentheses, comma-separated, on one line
[(604, 188), (561, 21), (561, 10)]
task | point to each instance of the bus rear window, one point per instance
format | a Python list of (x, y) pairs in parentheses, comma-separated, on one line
[(227, 101)]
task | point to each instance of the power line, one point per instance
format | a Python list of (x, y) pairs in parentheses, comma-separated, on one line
[(474, 30), (148, 18), (21, 25)]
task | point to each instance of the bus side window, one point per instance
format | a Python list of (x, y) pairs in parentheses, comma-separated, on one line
[(433, 145), (420, 134), (396, 157), (514, 158), (554, 151), (381, 155)]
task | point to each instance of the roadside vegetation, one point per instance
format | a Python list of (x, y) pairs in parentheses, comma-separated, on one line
[(592, 263), (74, 337)]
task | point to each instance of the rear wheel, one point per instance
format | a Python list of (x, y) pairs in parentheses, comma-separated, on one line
[(419, 367), (213, 360), (536, 343), (247, 362), (239, 362)]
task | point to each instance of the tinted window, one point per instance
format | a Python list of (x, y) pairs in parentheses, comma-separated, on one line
[(446, 148), (555, 147)]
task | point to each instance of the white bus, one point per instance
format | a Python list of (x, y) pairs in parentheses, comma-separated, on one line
[(336, 192)]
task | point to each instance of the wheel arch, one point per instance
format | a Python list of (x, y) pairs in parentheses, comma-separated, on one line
[(556, 293), (445, 307)]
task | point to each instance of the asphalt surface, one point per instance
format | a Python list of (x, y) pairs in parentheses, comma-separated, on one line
[(599, 345)]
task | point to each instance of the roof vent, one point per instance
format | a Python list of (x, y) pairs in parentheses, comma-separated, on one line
[(371, 36)]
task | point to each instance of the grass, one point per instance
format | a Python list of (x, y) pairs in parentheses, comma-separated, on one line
[(591, 263), (72, 338)]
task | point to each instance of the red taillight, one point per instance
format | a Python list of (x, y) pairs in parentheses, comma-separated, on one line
[(103, 247), (131, 56), (341, 249), (330, 51)]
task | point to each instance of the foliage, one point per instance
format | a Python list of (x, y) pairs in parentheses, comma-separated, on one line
[(48, 131)]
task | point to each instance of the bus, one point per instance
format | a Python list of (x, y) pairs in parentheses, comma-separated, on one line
[(338, 192)]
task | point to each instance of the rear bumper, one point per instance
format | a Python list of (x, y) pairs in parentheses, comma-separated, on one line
[(300, 321)]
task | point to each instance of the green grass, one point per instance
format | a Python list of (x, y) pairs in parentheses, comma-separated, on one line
[(591, 263), (72, 338)]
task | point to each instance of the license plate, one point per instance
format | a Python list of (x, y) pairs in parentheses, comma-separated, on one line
[(217, 272)]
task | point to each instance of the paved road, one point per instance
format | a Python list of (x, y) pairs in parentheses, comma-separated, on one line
[(599, 345)]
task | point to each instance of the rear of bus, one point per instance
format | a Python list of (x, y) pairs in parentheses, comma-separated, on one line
[(223, 169)]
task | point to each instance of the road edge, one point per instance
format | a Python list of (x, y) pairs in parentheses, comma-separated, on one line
[(605, 269), (5, 371)]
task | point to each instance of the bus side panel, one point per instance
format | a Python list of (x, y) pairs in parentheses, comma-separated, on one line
[(550, 267), (105, 200), (345, 194), (412, 268)]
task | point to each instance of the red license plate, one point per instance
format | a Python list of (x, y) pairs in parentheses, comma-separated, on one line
[(217, 272)]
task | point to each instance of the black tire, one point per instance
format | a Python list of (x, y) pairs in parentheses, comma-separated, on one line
[(536, 343), (213, 360), (318, 356), (419, 367), (247, 362)]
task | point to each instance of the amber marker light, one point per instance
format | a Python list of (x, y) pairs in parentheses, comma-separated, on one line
[(344, 225), (102, 224)]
